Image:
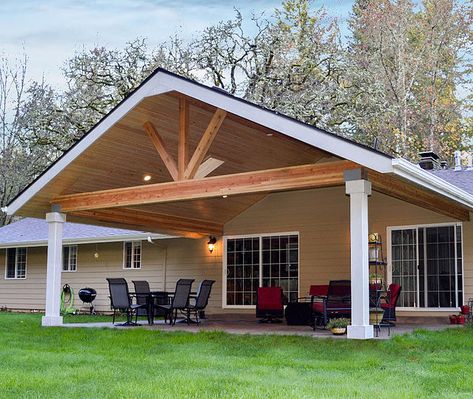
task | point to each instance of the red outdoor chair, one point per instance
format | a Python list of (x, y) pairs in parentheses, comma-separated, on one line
[(335, 303), (389, 306), (270, 304)]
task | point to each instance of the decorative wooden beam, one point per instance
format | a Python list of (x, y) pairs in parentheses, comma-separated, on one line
[(207, 167), (402, 190), (161, 148), (205, 143), (182, 156), (281, 179), (166, 224)]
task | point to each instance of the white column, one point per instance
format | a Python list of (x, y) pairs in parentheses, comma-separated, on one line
[(360, 327), (52, 316)]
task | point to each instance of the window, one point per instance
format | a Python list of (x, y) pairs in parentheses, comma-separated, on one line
[(15, 263), (69, 258), (132, 255), (261, 261), (427, 262)]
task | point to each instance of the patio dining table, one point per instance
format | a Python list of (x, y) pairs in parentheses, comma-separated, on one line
[(160, 298)]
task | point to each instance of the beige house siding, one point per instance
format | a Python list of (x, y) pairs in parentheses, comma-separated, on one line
[(320, 216), (184, 258)]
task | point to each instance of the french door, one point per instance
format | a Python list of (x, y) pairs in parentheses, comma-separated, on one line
[(427, 262), (270, 260)]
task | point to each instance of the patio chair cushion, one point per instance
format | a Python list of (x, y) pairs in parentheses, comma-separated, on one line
[(318, 290), (270, 298), (393, 295)]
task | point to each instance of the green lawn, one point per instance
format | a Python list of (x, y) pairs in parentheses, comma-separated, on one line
[(40, 362)]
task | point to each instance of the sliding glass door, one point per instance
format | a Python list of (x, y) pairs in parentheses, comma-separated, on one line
[(260, 261), (427, 262)]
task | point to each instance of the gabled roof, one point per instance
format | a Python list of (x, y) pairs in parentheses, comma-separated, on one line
[(31, 232), (162, 82)]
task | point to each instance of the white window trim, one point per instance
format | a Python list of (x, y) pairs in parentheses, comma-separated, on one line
[(16, 264), (69, 259), (389, 266), (224, 265), (133, 244)]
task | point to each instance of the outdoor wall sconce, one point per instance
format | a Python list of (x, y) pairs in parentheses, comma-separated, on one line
[(211, 243), (96, 253)]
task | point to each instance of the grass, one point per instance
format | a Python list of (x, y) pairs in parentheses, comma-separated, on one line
[(104, 363)]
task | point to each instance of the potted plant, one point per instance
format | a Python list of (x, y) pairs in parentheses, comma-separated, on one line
[(338, 326)]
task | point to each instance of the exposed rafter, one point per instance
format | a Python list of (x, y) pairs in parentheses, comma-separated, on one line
[(205, 143), (168, 224), (182, 150), (161, 148), (281, 179)]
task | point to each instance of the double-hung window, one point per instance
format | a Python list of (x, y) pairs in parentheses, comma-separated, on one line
[(69, 258), (15, 263), (427, 262), (260, 261), (132, 255)]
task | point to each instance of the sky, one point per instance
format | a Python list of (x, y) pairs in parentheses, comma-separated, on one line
[(50, 31)]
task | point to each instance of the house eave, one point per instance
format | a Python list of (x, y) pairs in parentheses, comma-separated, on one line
[(87, 240), (415, 174)]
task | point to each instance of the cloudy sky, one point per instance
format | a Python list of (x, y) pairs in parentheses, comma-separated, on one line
[(50, 31)]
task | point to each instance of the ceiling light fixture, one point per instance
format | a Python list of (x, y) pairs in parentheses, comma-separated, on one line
[(147, 177), (224, 196)]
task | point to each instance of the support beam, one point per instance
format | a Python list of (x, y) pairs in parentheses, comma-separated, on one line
[(161, 148), (404, 191), (291, 178), (205, 143), (360, 328), (53, 316), (182, 155), (165, 224)]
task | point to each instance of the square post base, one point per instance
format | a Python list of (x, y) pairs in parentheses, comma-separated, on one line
[(360, 332), (51, 321)]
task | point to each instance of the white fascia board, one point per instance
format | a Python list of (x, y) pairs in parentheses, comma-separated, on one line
[(88, 240), (152, 87), (305, 133), (415, 174)]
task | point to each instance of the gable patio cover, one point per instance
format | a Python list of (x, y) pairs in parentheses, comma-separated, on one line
[(180, 158), (200, 144)]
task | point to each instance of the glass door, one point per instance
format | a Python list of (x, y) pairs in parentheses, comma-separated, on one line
[(427, 262)]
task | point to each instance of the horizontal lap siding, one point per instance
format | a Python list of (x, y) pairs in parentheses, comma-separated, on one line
[(320, 216)]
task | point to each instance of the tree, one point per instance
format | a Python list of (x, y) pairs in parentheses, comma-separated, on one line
[(407, 64), (19, 164)]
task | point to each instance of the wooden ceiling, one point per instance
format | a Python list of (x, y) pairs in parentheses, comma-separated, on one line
[(124, 154)]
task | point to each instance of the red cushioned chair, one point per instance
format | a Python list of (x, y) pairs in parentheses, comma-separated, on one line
[(336, 302), (389, 306), (270, 304)]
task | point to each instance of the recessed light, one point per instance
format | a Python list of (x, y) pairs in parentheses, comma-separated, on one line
[(224, 196), (269, 134), (147, 177)]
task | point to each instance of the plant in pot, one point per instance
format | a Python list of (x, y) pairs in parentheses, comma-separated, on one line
[(338, 326)]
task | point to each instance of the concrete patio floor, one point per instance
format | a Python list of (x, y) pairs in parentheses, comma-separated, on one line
[(247, 324)]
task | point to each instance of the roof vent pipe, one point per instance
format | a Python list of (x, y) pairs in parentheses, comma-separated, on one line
[(458, 160), (469, 159)]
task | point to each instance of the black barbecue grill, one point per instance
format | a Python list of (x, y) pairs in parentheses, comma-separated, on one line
[(87, 296)]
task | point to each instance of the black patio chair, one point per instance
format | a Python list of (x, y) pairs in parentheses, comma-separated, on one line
[(142, 293), (179, 301), (200, 301), (120, 301)]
